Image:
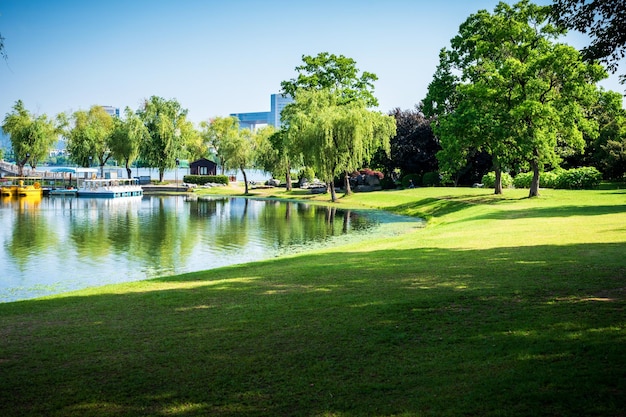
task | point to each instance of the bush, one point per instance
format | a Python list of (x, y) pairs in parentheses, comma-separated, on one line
[(523, 180), (431, 179), (416, 178), (489, 180), (205, 179), (548, 179), (579, 178)]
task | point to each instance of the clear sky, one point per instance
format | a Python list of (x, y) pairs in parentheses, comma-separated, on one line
[(216, 57)]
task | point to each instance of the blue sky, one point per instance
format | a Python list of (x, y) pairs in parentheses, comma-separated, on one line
[(216, 57)]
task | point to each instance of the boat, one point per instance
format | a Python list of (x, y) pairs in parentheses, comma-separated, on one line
[(21, 186), (63, 192), (109, 188)]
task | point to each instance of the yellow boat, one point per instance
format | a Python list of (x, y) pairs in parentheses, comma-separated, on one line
[(21, 186)]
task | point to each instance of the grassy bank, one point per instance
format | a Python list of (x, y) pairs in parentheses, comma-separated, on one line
[(501, 306)]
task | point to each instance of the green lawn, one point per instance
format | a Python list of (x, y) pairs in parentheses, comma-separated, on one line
[(501, 306)]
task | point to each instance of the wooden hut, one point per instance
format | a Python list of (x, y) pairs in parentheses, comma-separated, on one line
[(203, 166)]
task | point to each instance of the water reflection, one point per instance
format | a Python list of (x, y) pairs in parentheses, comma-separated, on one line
[(55, 244)]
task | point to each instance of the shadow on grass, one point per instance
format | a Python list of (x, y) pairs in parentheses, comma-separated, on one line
[(556, 212), (509, 331)]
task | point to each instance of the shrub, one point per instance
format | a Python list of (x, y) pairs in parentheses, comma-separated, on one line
[(431, 179), (548, 179), (523, 180), (579, 178), (489, 180), (205, 179), (388, 183), (416, 178)]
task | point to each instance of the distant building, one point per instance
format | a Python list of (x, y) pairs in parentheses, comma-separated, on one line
[(272, 117), (203, 166), (113, 111)]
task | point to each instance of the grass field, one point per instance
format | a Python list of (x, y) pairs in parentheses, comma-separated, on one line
[(500, 306)]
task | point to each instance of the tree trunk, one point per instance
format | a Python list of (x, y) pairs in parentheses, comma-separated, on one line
[(288, 179), (498, 184), (245, 179), (333, 194), (346, 182), (534, 186), (161, 173), (129, 171)]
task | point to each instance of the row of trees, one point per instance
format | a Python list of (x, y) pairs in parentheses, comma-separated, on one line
[(506, 94), (506, 87)]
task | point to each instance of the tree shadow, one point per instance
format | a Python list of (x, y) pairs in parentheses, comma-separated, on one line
[(515, 331)]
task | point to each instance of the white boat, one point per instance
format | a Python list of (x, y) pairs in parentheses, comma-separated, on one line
[(109, 188)]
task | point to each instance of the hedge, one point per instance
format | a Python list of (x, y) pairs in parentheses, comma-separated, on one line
[(205, 179)]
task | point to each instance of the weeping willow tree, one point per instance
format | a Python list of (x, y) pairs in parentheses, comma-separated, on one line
[(334, 137)]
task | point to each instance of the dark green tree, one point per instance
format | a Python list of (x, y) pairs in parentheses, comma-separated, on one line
[(519, 96), (603, 20)]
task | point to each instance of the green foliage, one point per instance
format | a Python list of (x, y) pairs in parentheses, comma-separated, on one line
[(333, 72), (548, 179), (169, 131), (336, 137), (415, 178), (430, 179), (516, 92), (523, 180), (579, 178), (489, 180), (603, 20), (306, 173), (31, 136), (205, 179)]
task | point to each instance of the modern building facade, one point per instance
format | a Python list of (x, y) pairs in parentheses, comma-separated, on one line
[(272, 117), (113, 111)]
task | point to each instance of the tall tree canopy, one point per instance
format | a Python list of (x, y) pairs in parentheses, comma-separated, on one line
[(329, 123), (335, 137), (414, 147), (336, 73), (126, 139), (603, 20), (216, 133), (166, 122), (31, 136), (518, 94), (88, 138)]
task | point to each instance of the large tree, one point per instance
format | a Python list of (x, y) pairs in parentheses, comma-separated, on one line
[(31, 137), (336, 73), (337, 138), (88, 138), (166, 122), (325, 83), (414, 147), (518, 95), (603, 20), (126, 139), (218, 131), (238, 152)]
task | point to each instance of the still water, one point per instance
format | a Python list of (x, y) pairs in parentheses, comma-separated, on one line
[(56, 244)]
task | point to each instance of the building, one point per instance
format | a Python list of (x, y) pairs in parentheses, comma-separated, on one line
[(203, 166), (272, 117), (113, 111)]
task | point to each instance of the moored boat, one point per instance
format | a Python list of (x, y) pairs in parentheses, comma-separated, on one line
[(109, 188), (21, 186)]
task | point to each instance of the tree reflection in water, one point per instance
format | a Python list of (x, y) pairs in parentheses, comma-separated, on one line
[(57, 244)]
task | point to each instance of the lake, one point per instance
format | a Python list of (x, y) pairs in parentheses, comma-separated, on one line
[(57, 244)]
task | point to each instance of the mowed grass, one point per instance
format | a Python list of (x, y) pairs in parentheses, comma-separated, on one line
[(501, 306)]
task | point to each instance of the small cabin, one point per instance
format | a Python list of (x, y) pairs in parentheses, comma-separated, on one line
[(203, 166)]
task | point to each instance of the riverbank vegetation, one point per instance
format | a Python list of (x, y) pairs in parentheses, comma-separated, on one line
[(501, 306)]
